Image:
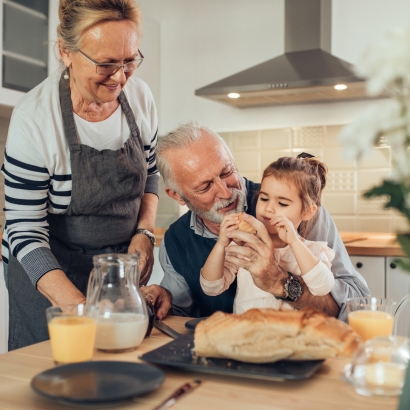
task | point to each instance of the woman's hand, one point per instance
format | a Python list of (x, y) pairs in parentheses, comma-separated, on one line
[(142, 244), (286, 231), (158, 297)]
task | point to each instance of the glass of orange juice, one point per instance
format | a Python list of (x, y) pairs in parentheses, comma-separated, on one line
[(72, 330), (371, 317)]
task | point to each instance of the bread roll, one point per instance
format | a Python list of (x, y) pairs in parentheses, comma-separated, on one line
[(268, 335), (244, 226)]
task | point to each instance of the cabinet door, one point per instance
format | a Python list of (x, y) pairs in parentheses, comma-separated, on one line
[(398, 286), (372, 268)]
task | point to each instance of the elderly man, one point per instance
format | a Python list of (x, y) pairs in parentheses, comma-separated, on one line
[(199, 171)]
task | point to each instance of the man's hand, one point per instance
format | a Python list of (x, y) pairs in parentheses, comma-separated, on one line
[(159, 297), (257, 256), (142, 244)]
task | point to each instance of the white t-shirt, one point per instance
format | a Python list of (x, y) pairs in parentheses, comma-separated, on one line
[(112, 133)]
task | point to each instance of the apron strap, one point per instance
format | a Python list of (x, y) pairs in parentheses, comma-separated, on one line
[(129, 115), (70, 130)]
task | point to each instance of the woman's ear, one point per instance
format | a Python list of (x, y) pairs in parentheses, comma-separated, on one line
[(65, 54), (308, 213)]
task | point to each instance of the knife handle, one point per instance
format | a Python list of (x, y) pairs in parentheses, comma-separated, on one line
[(185, 388)]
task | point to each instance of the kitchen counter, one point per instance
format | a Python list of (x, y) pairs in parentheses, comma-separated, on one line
[(322, 391), (371, 244), (357, 243)]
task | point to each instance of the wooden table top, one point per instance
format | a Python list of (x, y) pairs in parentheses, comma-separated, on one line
[(323, 391)]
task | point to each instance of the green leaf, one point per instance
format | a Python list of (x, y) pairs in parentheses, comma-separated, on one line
[(404, 241), (397, 194), (403, 264)]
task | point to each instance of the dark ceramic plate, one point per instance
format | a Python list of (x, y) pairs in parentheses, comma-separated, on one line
[(178, 353), (97, 382), (191, 324)]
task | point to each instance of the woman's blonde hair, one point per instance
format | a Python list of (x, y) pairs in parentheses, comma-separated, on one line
[(76, 16), (309, 177)]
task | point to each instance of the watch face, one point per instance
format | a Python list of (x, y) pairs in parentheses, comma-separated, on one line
[(294, 289)]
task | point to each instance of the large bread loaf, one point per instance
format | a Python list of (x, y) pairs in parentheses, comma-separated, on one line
[(267, 335)]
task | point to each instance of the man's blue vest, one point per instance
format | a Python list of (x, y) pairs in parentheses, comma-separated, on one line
[(188, 252)]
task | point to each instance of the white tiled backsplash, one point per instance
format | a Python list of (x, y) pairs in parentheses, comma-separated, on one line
[(347, 180)]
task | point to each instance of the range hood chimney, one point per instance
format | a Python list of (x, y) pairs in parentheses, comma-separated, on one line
[(306, 73)]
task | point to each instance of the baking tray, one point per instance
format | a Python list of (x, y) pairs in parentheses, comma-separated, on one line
[(178, 353)]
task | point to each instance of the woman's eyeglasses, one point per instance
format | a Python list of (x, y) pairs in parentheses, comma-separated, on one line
[(112, 68)]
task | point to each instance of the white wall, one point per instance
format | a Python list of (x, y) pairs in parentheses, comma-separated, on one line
[(204, 41)]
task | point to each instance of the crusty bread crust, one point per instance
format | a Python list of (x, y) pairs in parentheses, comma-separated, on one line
[(244, 226), (267, 335)]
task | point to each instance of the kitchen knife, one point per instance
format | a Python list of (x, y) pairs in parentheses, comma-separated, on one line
[(160, 325), (185, 388)]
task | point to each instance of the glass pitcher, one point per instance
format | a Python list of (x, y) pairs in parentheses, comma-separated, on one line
[(122, 319)]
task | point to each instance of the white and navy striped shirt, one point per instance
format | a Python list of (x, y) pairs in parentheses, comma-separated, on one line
[(37, 169)]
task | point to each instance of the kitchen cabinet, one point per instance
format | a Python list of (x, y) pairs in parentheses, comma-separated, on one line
[(386, 280), (398, 286), (372, 268), (25, 47)]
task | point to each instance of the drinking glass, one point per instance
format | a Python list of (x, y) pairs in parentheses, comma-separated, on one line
[(72, 330), (371, 317), (378, 366)]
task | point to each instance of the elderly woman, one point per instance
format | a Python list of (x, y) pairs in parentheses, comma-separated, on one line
[(80, 171)]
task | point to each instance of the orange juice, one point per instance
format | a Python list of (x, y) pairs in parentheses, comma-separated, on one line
[(369, 323), (72, 338)]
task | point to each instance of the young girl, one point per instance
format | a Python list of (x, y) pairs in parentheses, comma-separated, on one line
[(288, 200)]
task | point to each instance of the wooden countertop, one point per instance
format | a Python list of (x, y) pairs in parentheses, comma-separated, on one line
[(325, 390), (371, 244), (357, 243)]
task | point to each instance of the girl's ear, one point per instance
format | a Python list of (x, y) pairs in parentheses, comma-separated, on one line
[(308, 213)]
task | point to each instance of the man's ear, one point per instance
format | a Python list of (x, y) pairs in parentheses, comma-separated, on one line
[(174, 195), (308, 213)]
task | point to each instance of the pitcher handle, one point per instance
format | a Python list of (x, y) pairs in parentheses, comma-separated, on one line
[(92, 288), (400, 307)]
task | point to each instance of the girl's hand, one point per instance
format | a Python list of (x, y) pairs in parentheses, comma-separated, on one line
[(229, 223), (286, 231)]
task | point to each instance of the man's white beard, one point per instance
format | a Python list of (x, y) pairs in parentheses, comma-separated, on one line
[(213, 215)]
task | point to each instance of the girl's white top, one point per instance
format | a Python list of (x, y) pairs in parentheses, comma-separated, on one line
[(319, 280)]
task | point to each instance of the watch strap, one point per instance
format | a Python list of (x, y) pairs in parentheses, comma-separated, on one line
[(147, 233)]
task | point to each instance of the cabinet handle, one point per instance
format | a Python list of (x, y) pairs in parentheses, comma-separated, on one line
[(393, 265), (359, 265)]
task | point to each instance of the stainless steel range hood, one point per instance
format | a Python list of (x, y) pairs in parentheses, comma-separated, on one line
[(306, 73)]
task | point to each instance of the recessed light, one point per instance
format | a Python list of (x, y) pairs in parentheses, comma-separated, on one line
[(340, 87), (234, 95)]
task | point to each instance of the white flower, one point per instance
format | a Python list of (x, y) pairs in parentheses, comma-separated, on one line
[(387, 64), (380, 119)]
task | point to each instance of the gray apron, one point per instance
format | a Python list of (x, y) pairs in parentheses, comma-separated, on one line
[(107, 187)]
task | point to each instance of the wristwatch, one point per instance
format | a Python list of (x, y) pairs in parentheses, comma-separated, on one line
[(292, 288), (148, 233)]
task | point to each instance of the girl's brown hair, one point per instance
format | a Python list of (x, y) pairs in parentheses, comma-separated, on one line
[(309, 177), (76, 16)]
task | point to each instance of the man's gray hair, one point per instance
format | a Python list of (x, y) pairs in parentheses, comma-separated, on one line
[(180, 138)]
